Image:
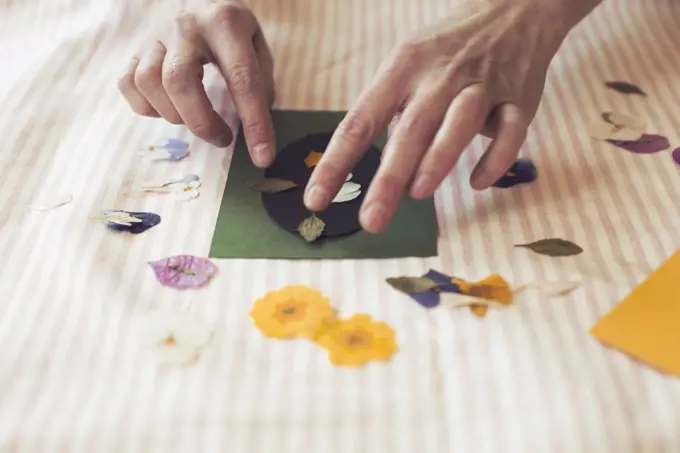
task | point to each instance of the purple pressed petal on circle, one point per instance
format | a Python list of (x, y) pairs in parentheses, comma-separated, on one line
[(676, 155), (647, 144), (522, 171), (184, 271)]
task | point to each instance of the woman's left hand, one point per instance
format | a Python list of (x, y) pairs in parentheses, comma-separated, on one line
[(480, 71)]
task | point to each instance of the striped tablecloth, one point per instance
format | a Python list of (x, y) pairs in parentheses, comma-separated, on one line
[(72, 378)]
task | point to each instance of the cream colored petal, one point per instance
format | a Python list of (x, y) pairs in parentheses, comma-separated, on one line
[(342, 198), (158, 154), (626, 135), (175, 355), (349, 191), (454, 300), (557, 288), (601, 130), (348, 177), (52, 204), (155, 327), (627, 121), (187, 195)]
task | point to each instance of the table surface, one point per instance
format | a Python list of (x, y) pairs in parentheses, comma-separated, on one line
[(531, 379)]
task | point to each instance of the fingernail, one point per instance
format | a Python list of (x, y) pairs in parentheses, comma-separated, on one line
[(262, 154), (372, 217), (316, 197), (421, 186)]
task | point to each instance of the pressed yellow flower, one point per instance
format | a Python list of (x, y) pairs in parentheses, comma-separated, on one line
[(357, 340), (293, 311), (493, 287), (313, 159)]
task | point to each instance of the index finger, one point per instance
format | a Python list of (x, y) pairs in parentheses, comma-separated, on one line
[(371, 114), (233, 49)]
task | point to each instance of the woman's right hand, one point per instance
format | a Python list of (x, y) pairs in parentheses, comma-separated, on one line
[(165, 78)]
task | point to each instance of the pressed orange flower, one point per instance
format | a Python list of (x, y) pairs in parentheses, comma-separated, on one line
[(357, 340), (313, 159), (293, 311), (493, 287)]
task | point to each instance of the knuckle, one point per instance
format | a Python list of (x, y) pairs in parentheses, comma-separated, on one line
[(406, 52), (206, 130), (186, 22), (244, 81), (126, 82), (177, 78), (148, 77), (255, 129), (228, 14), (356, 128)]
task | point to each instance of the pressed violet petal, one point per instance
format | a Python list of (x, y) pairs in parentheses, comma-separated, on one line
[(148, 220), (676, 155), (522, 171), (647, 144), (184, 271), (427, 300), (172, 143), (444, 281)]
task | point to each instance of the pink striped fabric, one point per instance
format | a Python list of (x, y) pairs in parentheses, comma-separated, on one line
[(73, 378)]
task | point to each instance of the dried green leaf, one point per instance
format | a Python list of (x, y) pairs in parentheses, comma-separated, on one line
[(412, 285), (271, 185), (625, 87), (553, 247), (311, 228)]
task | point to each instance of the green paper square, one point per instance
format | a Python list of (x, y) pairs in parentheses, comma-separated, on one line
[(245, 230)]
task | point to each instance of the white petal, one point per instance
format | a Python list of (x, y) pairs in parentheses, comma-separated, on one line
[(53, 204), (455, 300), (341, 198), (626, 121), (348, 177), (175, 355), (557, 288), (349, 187), (158, 154), (626, 135), (156, 327), (601, 130), (187, 195)]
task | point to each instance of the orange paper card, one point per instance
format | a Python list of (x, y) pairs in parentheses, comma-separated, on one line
[(646, 325)]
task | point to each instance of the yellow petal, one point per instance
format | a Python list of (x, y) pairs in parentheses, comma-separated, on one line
[(313, 159)]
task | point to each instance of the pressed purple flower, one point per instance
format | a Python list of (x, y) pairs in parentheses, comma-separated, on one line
[(430, 299), (169, 149), (522, 171), (184, 271), (647, 144), (676, 155), (128, 221)]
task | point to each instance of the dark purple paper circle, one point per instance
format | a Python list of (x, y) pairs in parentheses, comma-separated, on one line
[(287, 208)]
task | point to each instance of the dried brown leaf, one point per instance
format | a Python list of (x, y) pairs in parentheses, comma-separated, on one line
[(271, 185), (311, 228), (553, 247), (625, 87), (412, 285)]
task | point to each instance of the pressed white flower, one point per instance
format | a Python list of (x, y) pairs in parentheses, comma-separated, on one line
[(602, 130), (184, 189), (172, 338), (348, 192)]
